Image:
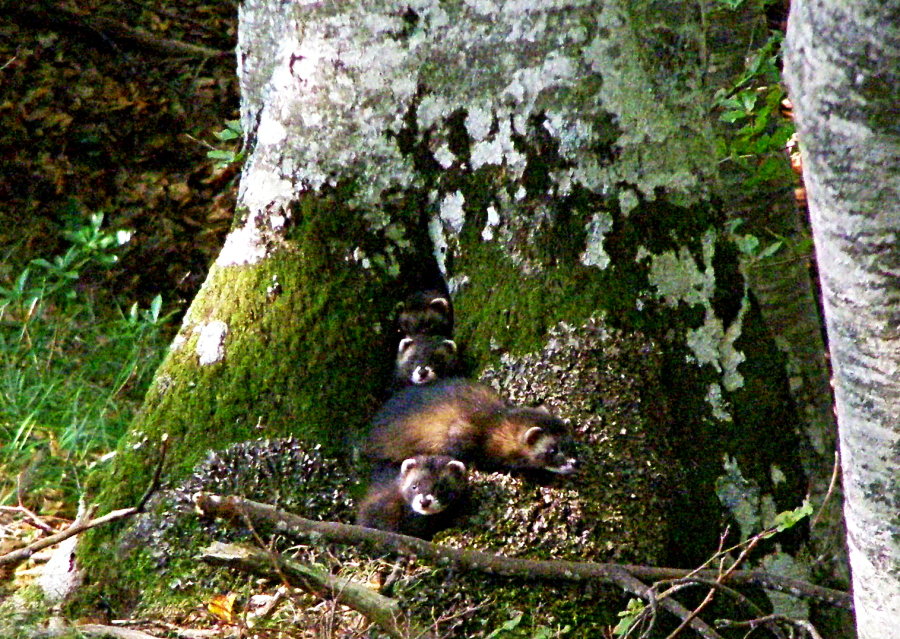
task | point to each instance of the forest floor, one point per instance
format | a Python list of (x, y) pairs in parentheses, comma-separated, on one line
[(111, 211)]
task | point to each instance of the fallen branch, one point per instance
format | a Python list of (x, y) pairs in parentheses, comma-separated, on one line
[(85, 522), (381, 610), (100, 630), (61, 18), (233, 507)]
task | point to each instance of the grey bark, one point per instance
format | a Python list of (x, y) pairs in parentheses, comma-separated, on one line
[(559, 153), (843, 71)]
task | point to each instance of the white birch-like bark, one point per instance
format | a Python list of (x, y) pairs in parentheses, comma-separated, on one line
[(843, 70)]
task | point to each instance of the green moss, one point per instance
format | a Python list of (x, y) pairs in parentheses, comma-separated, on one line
[(574, 610), (309, 352), (156, 571), (535, 279)]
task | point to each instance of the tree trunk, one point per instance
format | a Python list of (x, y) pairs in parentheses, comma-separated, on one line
[(552, 161), (782, 284), (843, 69)]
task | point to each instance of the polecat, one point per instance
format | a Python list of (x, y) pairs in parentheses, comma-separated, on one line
[(422, 359), (426, 313), (422, 499), (470, 422)]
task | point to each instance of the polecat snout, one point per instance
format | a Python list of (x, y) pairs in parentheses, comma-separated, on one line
[(424, 497)]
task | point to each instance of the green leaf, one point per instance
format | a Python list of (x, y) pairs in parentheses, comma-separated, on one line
[(804, 246), (748, 99), (623, 626), (508, 626), (790, 518), (155, 306), (732, 224), (628, 616), (732, 116), (219, 154), (226, 134), (22, 280), (730, 103), (39, 261), (771, 249), (781, 135), (746, 244), (763, 144)]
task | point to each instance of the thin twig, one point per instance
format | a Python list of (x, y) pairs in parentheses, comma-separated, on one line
[(30, 517), (157, 473), (677, 584), (835, 473), (627, 577), (233, 507), (804, 625), (751, 544), (84, 522)]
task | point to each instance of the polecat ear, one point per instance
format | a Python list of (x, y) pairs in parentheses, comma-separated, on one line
[(408, 465), (404, 345), (449, 343), (440, 304), (457, 467), (532, 435)]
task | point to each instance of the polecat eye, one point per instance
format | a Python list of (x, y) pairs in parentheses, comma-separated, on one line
[(551, 451)]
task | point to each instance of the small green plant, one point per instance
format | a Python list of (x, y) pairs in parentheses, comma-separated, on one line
[(732, 4), (753, 106), (749, 244), (224, 157), (72, 369), (54, 280), (789, 518), (628, 616), (507, 627), (512, 628)]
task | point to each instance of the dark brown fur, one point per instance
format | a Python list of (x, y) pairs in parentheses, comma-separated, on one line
[(427, 313), (469, 422), (404, 503)]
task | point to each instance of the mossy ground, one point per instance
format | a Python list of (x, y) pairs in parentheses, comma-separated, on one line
[(308, 352)]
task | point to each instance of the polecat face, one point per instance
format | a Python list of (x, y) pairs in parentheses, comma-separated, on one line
[(430, 483), (546, 443), (423, 358), (551, 452)]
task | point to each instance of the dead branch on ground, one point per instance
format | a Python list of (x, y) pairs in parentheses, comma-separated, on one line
[(233, 507), (86, 521), (381, 610), (62, 18), (627, 577)]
